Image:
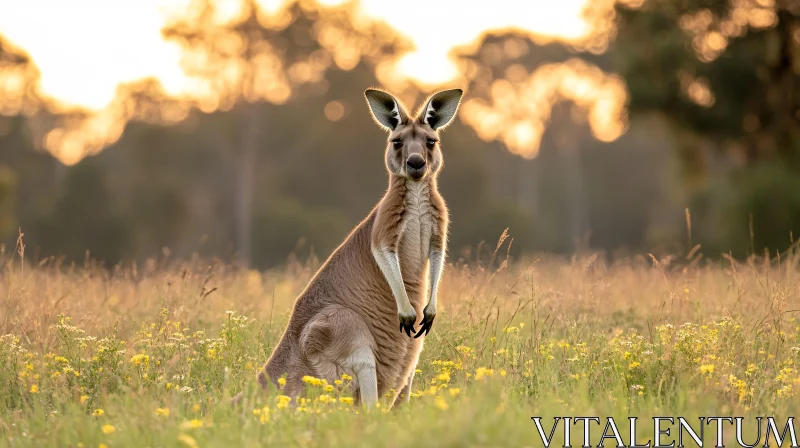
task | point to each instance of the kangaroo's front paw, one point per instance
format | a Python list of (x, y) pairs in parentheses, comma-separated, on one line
[(407, 320), (429, 314)]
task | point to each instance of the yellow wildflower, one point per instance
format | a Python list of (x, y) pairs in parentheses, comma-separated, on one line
[(440, 403), (634, 365), (480, 372), (444, 377), (328, 388), (282, 401), (84, 399), (263, 414), (192, 424), (163, 412), (706, 369), (312, 381), (98, 412), (346, 400), (34, 389), (281, 381), (463, 349), (108, 429), (187, 440), (347, 377), (454, 391), (140, 360)]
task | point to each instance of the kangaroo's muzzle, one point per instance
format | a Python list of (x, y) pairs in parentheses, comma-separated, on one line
[(415, 166)]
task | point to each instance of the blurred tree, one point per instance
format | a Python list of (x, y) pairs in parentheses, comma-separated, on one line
[(288, 91), (18, 79), (254, 57), (83, 219), (8, 183), (25, 173), (300, 229), (556, 104), (724, 74)]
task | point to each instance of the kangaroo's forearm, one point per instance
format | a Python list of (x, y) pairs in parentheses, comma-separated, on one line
[(436, 268), (389, 264)]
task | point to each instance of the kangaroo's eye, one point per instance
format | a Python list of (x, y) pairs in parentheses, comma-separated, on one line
[(430, 143), (397, 144)]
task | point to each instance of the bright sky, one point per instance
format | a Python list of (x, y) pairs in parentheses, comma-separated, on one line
[(86, 48), (436, 27)]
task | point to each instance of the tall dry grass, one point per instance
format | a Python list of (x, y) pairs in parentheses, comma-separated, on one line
[(514, 338)]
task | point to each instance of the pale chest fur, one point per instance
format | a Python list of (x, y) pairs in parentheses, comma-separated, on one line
[(417, 229)]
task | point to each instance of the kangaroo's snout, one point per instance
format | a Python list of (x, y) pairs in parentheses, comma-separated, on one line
[(415, 165)]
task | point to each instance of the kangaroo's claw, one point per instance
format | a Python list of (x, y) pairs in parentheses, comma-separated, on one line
[(427, 323), (407, 323)]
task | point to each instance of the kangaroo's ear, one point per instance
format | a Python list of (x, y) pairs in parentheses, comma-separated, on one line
[(386, 110), (441, 108)]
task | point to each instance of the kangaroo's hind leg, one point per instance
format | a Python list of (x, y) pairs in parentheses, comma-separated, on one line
[(404, 396), (405, 393), (338, 341), (362, 363)]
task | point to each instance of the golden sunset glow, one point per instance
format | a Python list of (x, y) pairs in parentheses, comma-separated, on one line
[(436, 28), (518, 112), (92, 47)]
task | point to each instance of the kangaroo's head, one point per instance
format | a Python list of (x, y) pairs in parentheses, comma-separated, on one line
[(413, 149)]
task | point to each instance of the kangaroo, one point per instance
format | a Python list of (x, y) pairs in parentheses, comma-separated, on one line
[(347, 318)]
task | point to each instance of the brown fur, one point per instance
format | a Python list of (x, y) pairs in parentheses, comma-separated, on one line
[(348, 305)]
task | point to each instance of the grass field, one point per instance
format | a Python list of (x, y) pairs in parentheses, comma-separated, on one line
[(148, 355)]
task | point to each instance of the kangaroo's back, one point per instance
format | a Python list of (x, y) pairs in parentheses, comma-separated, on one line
[(352, 260)]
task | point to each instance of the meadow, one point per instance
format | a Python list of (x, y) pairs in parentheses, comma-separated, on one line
[(149, 354)]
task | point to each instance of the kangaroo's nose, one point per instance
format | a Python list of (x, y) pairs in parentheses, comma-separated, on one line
[(415, 161)]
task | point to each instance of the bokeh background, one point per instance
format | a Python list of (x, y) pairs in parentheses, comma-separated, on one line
[(237, 129)]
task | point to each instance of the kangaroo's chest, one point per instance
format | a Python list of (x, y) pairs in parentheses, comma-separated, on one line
[(417, 228)]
